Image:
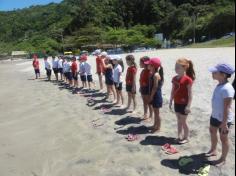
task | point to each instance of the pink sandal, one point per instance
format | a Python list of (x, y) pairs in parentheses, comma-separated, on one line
[(132, 137), (171, 151)]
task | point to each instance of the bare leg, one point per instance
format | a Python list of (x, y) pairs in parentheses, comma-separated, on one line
[(135, 101), (214, 141), (157, 120), (145, 107), (129, 100), (180, 127), (100, 81)]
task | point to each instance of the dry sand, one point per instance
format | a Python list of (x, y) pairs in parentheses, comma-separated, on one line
[(46, 130)]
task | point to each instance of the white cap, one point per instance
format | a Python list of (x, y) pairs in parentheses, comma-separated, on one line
[(97, 52), (104, 54), (116, 57)]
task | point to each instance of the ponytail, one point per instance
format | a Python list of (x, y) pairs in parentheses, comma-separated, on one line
[(121, 63), (161, 73), (190, 70), (188, 66)]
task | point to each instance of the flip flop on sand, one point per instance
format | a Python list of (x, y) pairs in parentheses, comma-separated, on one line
[(185, 161), (132, 137), (105, 110), (171, 151), (204, 171), (166, 147)]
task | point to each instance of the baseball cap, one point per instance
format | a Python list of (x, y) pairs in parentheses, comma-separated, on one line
[(116, 57), (223, 67), (156, 62), (104, 54), (97, 52)]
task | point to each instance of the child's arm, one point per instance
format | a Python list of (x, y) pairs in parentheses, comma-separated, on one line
[(171, 96), (155, 86), (106, 66), (190, 98), (227, 105)]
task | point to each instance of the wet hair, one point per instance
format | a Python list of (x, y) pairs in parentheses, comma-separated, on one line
[(188, 66), (131, 59)]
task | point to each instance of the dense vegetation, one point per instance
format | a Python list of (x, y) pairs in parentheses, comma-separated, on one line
[(73, 24)]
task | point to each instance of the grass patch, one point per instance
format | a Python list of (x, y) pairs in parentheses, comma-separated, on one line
[(229, 42)]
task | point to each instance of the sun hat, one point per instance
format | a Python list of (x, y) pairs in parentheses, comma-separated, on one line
[(223, 67), (156, 62)]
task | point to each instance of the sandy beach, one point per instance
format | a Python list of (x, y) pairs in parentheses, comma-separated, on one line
[(47, 130)]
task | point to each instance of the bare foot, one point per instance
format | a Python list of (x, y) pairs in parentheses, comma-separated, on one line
[(210, 154), (184, 141), (219, 163)]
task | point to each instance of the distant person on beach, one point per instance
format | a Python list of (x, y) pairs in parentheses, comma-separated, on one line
[(156, 81), (109, 77), (100, 69), (131, 82), (74, 70), (222, 116), (36, 66), (118, 78), (64, 70), (69, 71), (144, 88), (181, 94), (48, 68), (82, 71), (55, 66), (60, 67)]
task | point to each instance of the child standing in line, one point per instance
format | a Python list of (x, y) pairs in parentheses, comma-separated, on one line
[(60, 67), (118, 79), (36, 67), (222, 115), (155, 85), (100, 69), (109, 79), (88, 70), (82, 71), (69, 72), (47, 68), (144, 88), (131, 82), (64, 70), (74, 69), (182, 96), (55, 66)]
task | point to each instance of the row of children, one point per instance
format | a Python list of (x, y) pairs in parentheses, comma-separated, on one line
[(151, 82)]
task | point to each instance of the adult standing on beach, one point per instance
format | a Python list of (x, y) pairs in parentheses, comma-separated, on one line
[(36, 67), (55, 66)]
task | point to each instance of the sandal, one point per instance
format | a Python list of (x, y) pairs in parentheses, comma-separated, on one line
[(132, 137), (171, 151), (166, 147)]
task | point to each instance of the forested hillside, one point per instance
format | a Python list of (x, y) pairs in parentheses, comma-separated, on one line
[(76, 23)]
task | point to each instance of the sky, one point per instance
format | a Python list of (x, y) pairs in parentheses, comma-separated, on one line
[(8, 5)]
